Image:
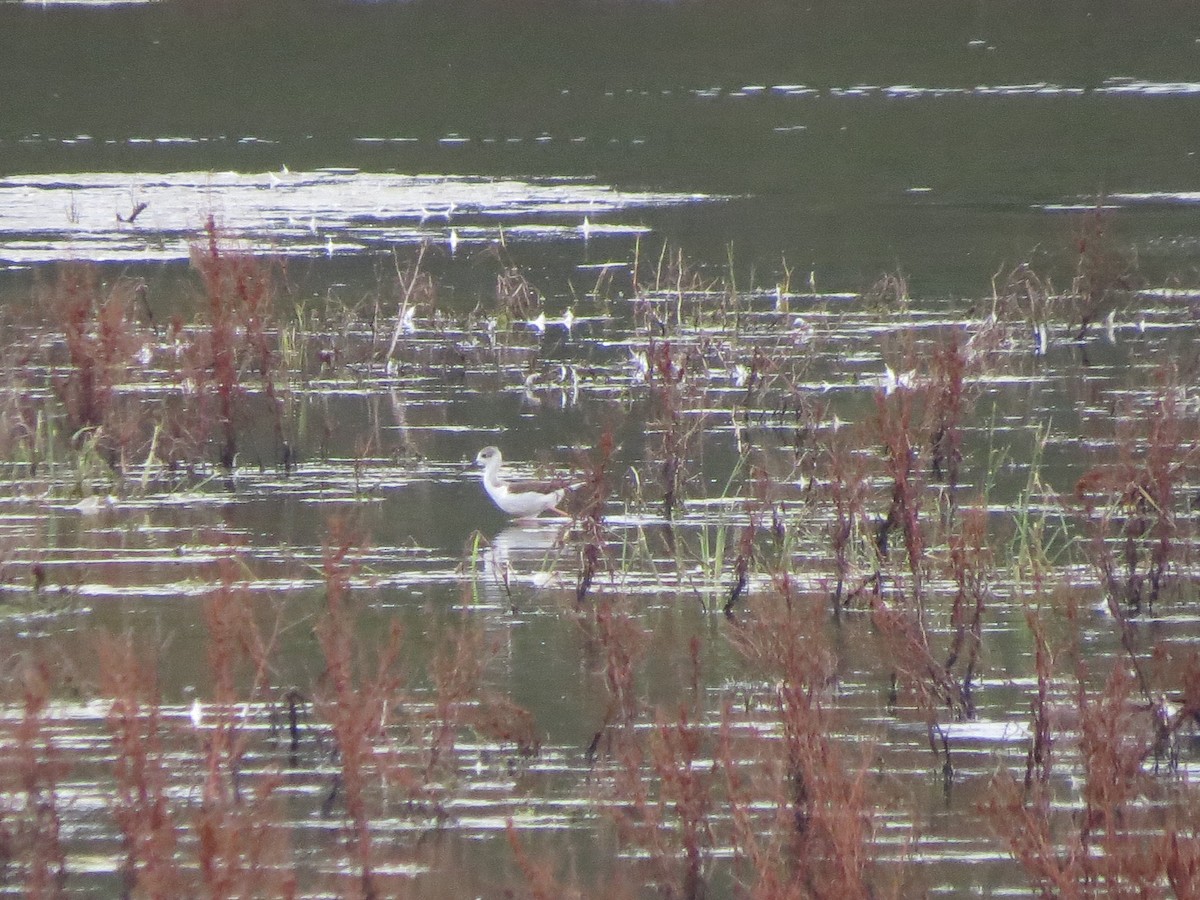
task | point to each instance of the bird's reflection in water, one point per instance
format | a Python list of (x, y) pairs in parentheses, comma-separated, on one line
[(524, 552)]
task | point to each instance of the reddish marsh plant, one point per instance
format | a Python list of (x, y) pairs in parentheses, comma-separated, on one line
[(140, 804), (31, 847), (240, 333), (811, 837), (355, 704), (461, 700), (847, 487), (760, 491), (1132, 506), (595, 492), (678, 292), (895, 420), (1124, 829), (369, 715), (667, 810), (1105, 269), (971, 568), (1129, 835), (901, 613), (1039, 761), (539, 878), (242, 845), (101, 338), (618, 641), (945, 412)]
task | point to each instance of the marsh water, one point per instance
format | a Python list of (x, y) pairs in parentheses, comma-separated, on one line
[(793, 155)]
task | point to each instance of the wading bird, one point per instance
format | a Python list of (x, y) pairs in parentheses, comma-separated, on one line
[(520, 499)]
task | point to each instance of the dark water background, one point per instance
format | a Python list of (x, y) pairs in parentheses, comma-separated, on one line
[(856, 138)]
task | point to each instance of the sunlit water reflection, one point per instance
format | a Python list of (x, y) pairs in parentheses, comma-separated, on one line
[(153, 217)]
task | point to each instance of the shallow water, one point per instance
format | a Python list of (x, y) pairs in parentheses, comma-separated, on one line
[(143, 555), (794, 155)]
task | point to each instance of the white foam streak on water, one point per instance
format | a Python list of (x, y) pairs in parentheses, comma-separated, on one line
[(85, 215)]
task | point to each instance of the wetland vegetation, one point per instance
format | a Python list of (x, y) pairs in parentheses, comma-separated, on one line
[(858, 589), (868, 331)]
